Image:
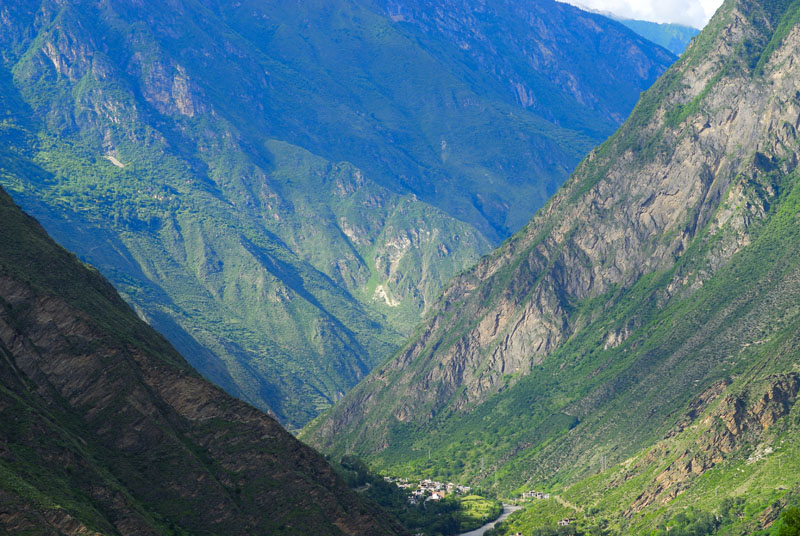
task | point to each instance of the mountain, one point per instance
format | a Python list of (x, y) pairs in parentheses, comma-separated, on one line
[(673, 37), (282, 189), (105, 429), (634, 347)]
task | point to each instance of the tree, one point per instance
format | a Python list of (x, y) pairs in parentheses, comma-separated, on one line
[(790, 525)]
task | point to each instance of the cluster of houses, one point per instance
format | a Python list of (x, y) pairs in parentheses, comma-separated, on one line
[(535, 495), (428, 490)]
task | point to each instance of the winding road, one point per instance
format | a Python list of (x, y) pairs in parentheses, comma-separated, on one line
[(507, 510)]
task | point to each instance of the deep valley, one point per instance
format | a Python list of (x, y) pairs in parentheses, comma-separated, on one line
[(395, 267)]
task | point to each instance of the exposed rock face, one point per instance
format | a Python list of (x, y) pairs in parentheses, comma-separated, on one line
[(735, 420), (662, 206), (105, 429), (18, 517)]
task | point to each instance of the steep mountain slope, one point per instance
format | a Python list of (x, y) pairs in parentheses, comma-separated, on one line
[(105, 429), (537, 52), (282, 189), (673, 37), (666, 265)]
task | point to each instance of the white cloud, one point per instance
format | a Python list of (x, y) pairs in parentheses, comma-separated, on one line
[(688, 12)]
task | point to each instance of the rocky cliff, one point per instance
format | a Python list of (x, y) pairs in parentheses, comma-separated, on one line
[(648, 277), (105, 429)]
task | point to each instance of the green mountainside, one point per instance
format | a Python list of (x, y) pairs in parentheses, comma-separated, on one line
[(282, 189), (105, 429), (634, 349), (673, 37)]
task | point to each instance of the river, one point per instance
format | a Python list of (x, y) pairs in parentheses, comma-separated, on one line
[(507, 510)]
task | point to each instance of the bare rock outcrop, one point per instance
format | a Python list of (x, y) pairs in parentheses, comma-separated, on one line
[(735, 420)]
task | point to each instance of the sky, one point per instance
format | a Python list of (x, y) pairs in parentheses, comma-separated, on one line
[(688, 12)]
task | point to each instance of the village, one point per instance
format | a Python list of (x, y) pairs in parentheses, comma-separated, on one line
[(428, 490)]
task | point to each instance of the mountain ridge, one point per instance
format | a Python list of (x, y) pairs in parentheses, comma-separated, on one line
[(673, 37), (108, 430), (582, 339)]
